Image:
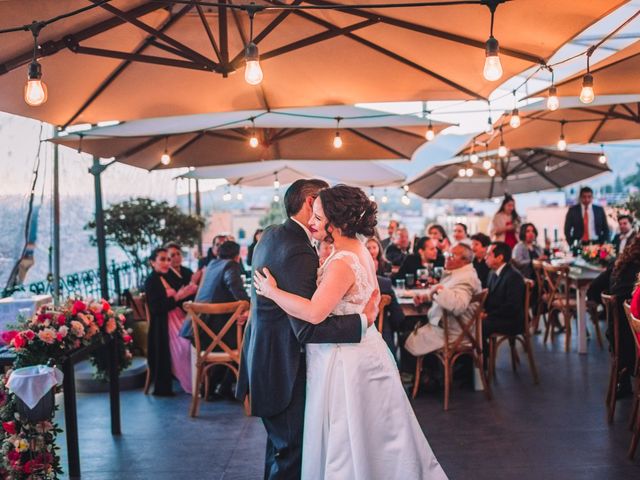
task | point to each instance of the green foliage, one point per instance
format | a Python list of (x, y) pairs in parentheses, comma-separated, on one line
[(140, 224), (634, 179), (618, 186), (274, 216)]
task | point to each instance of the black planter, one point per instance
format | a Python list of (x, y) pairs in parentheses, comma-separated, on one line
[(41, 412)]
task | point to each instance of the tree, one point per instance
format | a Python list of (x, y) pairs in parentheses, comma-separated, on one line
[(140, 224), (618, 186), (634, 179), (275, 215)]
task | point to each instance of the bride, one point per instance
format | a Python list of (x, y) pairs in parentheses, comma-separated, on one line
[(358, 423)]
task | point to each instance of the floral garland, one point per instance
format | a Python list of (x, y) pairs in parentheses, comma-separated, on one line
[(28, 450), (599, 254)]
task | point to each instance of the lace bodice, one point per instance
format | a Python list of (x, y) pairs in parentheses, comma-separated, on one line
[(358, 295)]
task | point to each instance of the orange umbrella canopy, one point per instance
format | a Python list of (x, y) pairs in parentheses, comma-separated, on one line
[(581, 125), (130, 59)]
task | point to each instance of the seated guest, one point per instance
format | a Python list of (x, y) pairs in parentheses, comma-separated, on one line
[(213, 251), (479, 244), (178, 275), (526, 251), (623, 278), (504, 306), (256, 239), (426, 255), (460, 234), (453, 294), (399, 249), (621, 239), (437, 233), (391, 230), (383, 268), (325, 249), (168, 352), (222, 283)]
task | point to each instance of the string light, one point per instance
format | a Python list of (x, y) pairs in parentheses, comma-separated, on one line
[(276, 197), (502, 149), (276, 182), (239, 195), (514, 121), (489, 129), (227, 194), (547, 166), (586, 94), (473, 158), (252, 71), (562, 143), (372, 196), (385, 199), (430, 134), (405, 188), (337, 140), (469, 172), (462, 172), (552, 98), (492, 67), (405, 199), (603, 157), (491, 172), (35, 90), (165, 159), (487, 164), (253, 140)]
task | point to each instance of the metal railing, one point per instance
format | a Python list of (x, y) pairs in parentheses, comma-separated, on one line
[(120, 277)]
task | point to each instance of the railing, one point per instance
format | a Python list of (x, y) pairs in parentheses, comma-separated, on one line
[(120, 277)]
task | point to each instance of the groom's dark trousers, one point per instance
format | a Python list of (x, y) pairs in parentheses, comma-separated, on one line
[(272, 367)]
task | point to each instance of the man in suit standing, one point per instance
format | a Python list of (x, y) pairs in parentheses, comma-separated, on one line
[(273, 369), (622, 239), (391, 230), (586, 222), (505, 301)]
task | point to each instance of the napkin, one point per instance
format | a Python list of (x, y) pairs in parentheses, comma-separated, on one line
[(30, 384)]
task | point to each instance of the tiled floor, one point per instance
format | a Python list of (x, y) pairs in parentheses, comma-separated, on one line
[(556, 430)]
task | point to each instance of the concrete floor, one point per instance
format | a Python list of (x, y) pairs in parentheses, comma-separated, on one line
[(556, 430)]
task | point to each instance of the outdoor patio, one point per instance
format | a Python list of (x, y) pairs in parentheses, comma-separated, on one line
[(556, 430)]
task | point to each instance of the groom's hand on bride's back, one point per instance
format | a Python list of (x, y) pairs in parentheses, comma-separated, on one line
[(371, 309)]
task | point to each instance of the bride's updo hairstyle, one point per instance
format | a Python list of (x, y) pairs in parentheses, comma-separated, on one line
[(350, 210)]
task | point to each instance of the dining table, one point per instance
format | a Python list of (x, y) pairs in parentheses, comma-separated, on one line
[(405, 300)]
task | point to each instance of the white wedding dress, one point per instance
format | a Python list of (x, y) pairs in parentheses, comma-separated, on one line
[(359, 424)]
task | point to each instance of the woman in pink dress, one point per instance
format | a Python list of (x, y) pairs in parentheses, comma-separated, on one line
[(506, 222), (168, 354)]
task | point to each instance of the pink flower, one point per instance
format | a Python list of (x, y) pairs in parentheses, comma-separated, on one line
[(29, 335), (77, 328), (8, 335), (9, 427), (18, 342), (77, 307), (105, 306), (13, 456), (127, 338), (47, 335), (62, 319), (111, 326), (63, 330), (99, 319), (91, 330)]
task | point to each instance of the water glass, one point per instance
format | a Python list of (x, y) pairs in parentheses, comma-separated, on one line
[(400, 284), (438, 272), (410, 280)]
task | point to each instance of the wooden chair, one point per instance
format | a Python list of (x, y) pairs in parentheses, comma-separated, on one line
[(634, 325), (611, 311), (467, 342), (207, 358), (540, 308), (559, 300), (385, 301), (496, 339)]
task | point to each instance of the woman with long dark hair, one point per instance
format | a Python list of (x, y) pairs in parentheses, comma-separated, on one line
[(506, 222), (383, 268), (256, 239)]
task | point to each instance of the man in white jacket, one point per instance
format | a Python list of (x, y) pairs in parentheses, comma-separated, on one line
[(453, 294)]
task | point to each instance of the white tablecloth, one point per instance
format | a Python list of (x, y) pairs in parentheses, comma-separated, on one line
[(10, 308)]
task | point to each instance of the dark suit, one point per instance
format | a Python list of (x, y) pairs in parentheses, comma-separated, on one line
[(574, 224), (272, 369), (505, 303), (395, 255), (482, 270), (616, 241), (410, 265), (393, 314)]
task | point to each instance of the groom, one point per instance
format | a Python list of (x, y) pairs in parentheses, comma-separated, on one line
[(272, 369)]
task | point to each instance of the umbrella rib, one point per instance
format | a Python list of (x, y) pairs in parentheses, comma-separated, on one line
[(208, 31), (602, 168), (404, 132), (195, 56), (542, 174), (376, 142), (152, 59), (288, 132), (492, 185), (116, 73), (140, 147), (236, 20), (433, 32), (601, 123), (223, 36), (222, 135), (393, 55), (187, 144), (441, 187)]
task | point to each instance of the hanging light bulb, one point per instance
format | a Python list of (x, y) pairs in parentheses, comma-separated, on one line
[(552, 99), (165, 159), (586, 94), (227, 195), (239, 195), (547, 167), (253, 140), (405, 188), (492, 66), (405, 199), (491, 172), (372, 196), (489, 129), (430, 134), (35, 90), (602, 158), (502, 150), (562, 144), (514, 121), (469, 172), (252, 72), (473, 158), (385, 199), (276, 197), (337, 141), (276, 182), (486, 164), (462, 172)]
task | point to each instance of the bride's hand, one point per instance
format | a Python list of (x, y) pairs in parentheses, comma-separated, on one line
[(265, 284)]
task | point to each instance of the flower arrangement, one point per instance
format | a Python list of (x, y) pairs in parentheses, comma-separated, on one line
[(599, 254), (28, 450)]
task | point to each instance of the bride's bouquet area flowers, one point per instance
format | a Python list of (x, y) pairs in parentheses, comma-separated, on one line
[(599, 254), (28, 450)]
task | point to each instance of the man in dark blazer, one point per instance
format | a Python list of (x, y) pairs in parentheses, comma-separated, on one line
[(626, 234), (588, 215), (272, 368), (505, 302), (426, 253), (479, 245)]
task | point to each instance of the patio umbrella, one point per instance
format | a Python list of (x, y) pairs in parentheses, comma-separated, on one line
[(219, 139), (136, 59), (526, 170), (580, 125), (263, 174)]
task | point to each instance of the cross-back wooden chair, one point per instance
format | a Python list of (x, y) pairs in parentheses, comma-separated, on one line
[(496, 339), (540, 307), (385, 301), (467, 342), (611, 311), (207, 358), (559, 300), (634, 325)]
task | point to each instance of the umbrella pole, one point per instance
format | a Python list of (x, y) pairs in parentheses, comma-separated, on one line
[(55, 241), (96, 170), (198, 213)]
